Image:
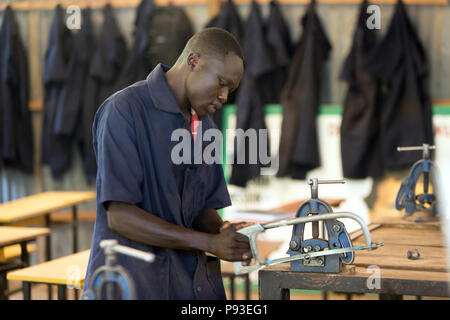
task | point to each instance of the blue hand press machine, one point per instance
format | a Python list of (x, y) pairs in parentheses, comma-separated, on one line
[(407, 196), (112, 281), (321, 253)]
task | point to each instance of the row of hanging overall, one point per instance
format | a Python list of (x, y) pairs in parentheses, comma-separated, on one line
[(80, 71), (374, 123), (386, 104)]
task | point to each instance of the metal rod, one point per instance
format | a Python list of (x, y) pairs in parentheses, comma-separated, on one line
[(314, 183), (425, 182), (315, 230), (329, 181), (138, 254), (415, 148), (313, 254), (325, 216)]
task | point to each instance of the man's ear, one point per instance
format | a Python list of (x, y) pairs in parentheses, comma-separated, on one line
[(192, 61)]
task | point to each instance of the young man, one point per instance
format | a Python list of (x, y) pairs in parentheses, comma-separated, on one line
[(147, 202)]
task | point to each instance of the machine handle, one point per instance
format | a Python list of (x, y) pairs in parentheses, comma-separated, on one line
[(314, 183), (416, 148), (425, 148), (138, 254), (311, 181), (111, 246)]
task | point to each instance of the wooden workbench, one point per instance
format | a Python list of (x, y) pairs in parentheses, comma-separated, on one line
[(427, 276), (43, 204), (62, 272), (16, 235), (13, 235)]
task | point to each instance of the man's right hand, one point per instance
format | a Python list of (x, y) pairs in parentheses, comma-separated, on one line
[(231, 245)]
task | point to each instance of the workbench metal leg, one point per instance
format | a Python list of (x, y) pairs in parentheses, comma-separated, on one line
[(24, 254), (232, 287), (26, 289), (75, 229), (3, 286), (269, 287), (48, 248), (247, 287), (390, 297), (62, 293), (75, 294), (48, 240)]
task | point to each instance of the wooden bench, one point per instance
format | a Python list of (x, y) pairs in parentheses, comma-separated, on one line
[(15, 251), (68, 271), (14, 244), (42, 205)]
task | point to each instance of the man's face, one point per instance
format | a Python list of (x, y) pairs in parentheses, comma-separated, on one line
[(211, 80)]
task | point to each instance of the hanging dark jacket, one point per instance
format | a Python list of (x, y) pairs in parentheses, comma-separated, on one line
[(279, 40), (227, 19), (299, 150), (170, 30), (105, 68), (137, 65), (68, 112), (16, 135), (399, 60), (360, 126), (56, 149), (249, 102)]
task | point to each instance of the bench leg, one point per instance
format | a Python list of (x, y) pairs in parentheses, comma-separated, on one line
[(62, 293), (48, 245), (269, 288), (26, 288), (75, 229), (24, 254), (232, 287), (3, 286), (247, 287)]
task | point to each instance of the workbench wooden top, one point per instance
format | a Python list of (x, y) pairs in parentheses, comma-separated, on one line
[(58, 271), (42, 203), (13, 235)]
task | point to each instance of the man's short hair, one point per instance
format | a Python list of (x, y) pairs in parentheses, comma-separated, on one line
[(213, 41)]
